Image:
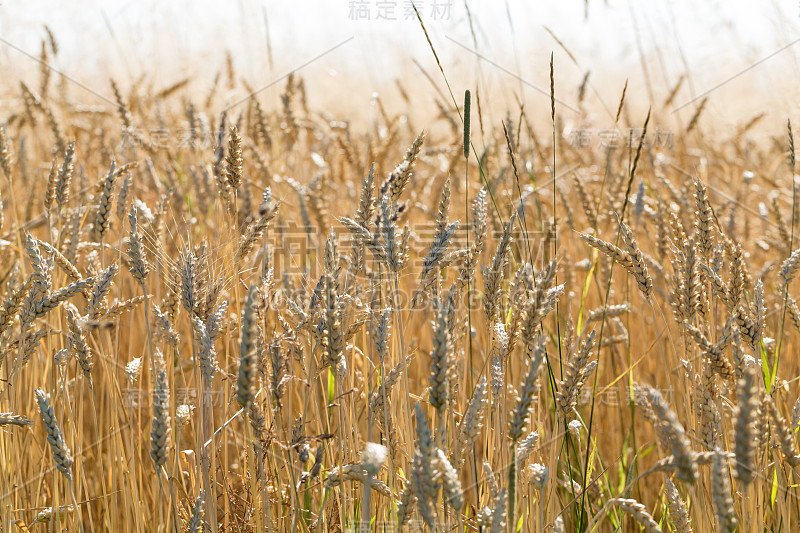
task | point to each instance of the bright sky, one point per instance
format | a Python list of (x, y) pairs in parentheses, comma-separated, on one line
[(344, 49)]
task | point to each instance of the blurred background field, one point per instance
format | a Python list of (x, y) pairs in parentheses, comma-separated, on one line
[(500, 48)]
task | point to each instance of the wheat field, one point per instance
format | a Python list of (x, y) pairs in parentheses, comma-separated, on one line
[(269, 317)]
